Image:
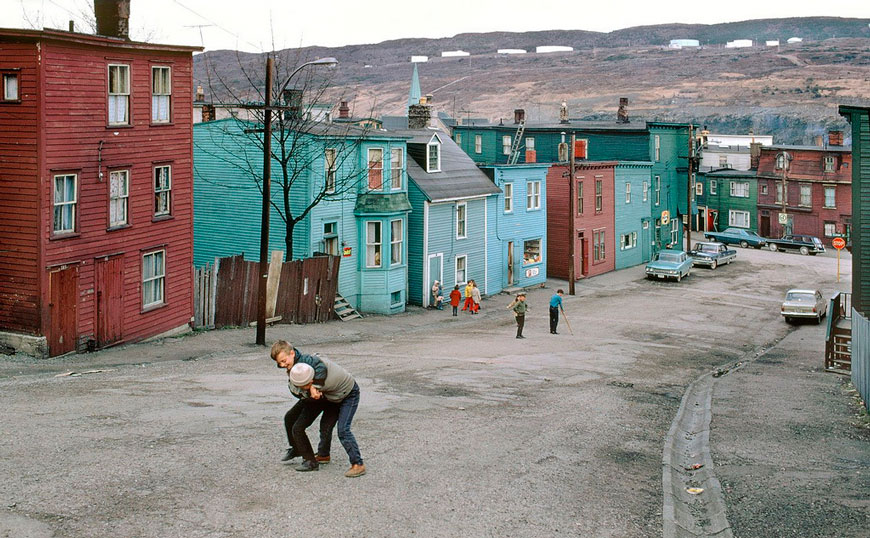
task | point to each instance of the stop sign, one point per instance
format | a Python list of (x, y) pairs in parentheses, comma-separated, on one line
[(838, 242)]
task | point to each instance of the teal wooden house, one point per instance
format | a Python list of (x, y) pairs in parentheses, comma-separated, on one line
[(632, 213), (362, 215), (668, 151), (517, 246), (726, 198), (448, 228)]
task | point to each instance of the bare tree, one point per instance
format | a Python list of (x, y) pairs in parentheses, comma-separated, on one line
[(303, 140)]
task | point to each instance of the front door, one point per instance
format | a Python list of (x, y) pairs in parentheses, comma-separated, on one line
[(436, 263), (584, 255), (510, 263), (63, 287), (764, 226), (109, 275), (645, 240)]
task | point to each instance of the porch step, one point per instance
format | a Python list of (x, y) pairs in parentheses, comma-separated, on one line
[(343, 310)]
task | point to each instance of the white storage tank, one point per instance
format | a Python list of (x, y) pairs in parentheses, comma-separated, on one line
[(454, 53), (739, 44), (552, 48), (680, 43)]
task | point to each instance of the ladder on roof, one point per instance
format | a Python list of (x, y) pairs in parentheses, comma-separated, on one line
[(515, 147)]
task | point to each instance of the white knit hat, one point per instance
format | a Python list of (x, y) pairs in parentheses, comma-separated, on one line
[(301, 374)]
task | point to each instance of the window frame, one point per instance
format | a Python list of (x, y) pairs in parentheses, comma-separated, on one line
[(167, 94), (533, 195), (657, 188), (540, 253), (464, 279), (657, 142), (154, 278), (397, 168), (599, 242), (437, 147), (599, 195), (10, 74), (805, 201), (125, 198), (738, 187), (400, 243), (699, 188), (829, 164), (329, 169), (580, 195), (506, 144), (478, 144), (374, 244), (675, 231), (732, 221), (330, 238), (833, 225), (833, 190), (55, 206), (762, 188), (645, 191), (530, 143), (127, 95), (627, 192), (373, 170), (713, 187), (462, 220), (628, 241), (157, 213), (508, 189)]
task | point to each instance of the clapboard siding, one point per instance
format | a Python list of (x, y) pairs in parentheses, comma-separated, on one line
[(417, 255), (860, 120), (629, 217)]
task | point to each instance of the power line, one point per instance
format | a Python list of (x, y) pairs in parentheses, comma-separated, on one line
[(218, 26)]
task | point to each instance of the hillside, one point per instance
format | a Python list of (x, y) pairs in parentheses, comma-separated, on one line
[(791, 91)]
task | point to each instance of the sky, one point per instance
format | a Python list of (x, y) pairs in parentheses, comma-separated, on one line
[(262, 25)]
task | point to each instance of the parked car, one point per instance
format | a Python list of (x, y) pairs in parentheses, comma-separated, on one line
[(670, 264), (737, 236), (804, 304), (805, 244), (712, 254)]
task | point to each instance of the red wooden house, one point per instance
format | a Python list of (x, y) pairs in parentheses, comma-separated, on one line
[(818, 190), (593, 219), (96, 205)]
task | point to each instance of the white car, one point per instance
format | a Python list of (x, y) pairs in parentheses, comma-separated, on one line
[(804, 304)]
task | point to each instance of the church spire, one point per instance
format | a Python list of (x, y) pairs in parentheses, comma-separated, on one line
[(415, 94)]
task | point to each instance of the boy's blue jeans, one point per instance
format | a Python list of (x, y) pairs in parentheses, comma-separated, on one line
[(342, 415)]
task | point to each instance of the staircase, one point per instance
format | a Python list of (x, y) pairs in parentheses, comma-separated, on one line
[(343, 310), (838, 338), (518, 140)]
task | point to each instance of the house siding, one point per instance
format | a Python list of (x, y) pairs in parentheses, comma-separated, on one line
[(860, 191), (633, 216)]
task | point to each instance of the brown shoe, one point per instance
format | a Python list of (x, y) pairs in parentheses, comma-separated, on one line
[(321, 459), (355, 471)]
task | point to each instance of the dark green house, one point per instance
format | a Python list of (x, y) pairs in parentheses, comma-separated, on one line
[(726, 198)]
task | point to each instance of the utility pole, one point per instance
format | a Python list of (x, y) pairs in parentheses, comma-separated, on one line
[(784, 218), (571, 215), (264, 223)]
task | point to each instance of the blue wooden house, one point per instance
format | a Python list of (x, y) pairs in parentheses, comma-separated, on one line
[(632, 216), (362, 216), (448, 229), (517, 244)]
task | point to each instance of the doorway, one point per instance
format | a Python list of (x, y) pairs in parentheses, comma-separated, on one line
[(63, 287), (436, 268), (109, 277), (583, 250), (510, 263), (764, 226)]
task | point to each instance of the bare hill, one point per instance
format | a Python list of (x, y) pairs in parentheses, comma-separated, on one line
[(790, 91)]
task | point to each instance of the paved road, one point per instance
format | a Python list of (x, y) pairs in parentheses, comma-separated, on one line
[(464, 429)]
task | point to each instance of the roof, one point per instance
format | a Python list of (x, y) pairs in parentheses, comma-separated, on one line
[(730, 172), (90, 39), (807, 148), (321, 128), (459, 176), (573, 125)]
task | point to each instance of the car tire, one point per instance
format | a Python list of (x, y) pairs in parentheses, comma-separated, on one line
[(744, 244), (805, 251), (713, 264), (679, 277), (788, 320), (772, 247)]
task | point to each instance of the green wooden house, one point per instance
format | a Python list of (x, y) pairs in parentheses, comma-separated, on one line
[(726, 198)]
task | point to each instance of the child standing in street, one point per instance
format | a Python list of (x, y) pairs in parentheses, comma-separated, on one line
[(520, 307), (469, 302), (475, 298), (455, 297)]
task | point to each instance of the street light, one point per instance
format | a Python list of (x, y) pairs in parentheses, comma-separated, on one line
[(267, 183)]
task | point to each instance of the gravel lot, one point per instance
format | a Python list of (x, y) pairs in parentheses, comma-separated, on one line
[(464, 429)]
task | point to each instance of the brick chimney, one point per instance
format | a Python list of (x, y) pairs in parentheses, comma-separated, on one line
[(343, 110), (820, 141), (754, 155), (419, 116), (113, 18), (622, 113), (519, 115), (835, 138)]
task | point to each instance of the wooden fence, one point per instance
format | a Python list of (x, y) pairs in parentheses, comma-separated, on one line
[(861, 355), (225, 293)]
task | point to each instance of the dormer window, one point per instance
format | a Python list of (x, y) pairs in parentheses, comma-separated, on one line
[(780, 161), (433, 155)]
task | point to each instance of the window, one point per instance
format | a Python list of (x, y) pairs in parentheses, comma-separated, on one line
[(162, 190), (119, 94), (330, 238), (530, 143), (161, 90), (65, 202), (461, 262), (599, 195), (533, 195), (396, 298), (397, 164), (629, 240), (657, 186), (10, 87), (806, 195), (373, 244), (830, 197), (699, 188), (461, 221), (508, 197), (376, 169), (506, 144), (478, 144), (713, 185), (675, 232), (739, 219), (779, 193), (531, 251), (780, 161), (433, 157), (763, 188), (830, 229), (723, 161), (830, 162), (645, 191), (329, 166), (397, 239), (153, 278), (119, 190), (740, 189), (598, 251), (580, 197), (627, 192), (458, 138), (658, 147)]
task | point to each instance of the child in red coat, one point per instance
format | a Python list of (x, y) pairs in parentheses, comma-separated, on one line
[(455, 297)]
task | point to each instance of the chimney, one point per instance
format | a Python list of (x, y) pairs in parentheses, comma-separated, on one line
[(531, 156), (72, 26), (519, 116), (113, 18), (343, 110), (820, 141), (419, 116), (835, 138), (622, 113), (563, 113), (200, 94), (754, 155)]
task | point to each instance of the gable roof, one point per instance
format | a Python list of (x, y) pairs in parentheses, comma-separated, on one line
[(459, 176)]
